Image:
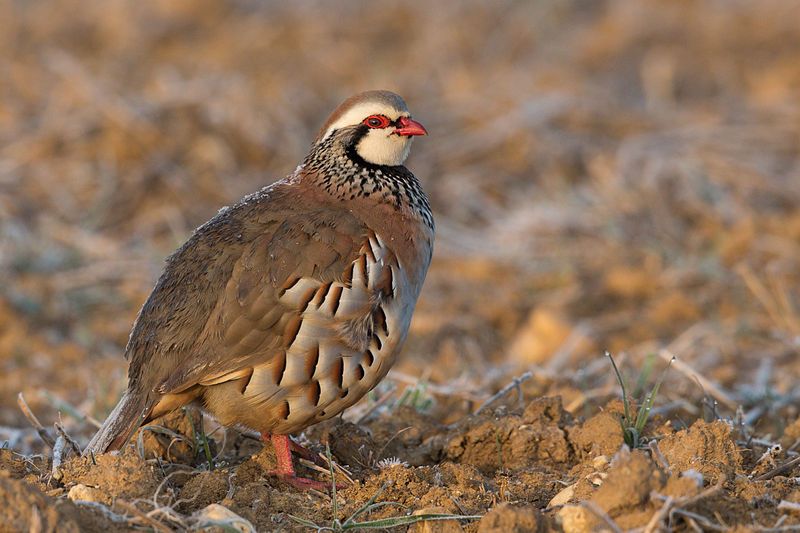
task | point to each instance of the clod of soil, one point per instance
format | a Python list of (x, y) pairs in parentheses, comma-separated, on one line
[(600, 434), (123, 475), (514, 441), (350, 443), (409, 435), (24, 508), (708, 448), (12, 464), (459, 489), (171, 437), (791, 434), (204, 489), (630, 480), (626, 490)]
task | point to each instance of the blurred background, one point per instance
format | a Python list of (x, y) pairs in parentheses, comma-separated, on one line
[(605, 175)]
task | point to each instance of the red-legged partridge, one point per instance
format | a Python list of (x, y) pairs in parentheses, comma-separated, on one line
[(287, 307)]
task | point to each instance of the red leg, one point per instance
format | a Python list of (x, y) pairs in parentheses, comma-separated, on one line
[(285, 469), (302, 451)]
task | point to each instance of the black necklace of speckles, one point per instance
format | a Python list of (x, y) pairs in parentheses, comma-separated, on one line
[(346, 175)]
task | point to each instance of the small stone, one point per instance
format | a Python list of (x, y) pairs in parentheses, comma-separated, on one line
[(222, 519), (85, 493), (563, 497), (507, 518)]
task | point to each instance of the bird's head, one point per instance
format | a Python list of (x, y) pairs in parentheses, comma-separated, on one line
[(375, 125)]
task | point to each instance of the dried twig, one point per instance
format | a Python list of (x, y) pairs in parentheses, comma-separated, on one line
[(58, 457), (102, 509), (338, 469), (659, 457), (168, 513), (166, 480), (715, 390), (689, 500), (671, 506), (23, 405), (72, 443), (702, 520), (515, 384), (450, 390), (71, 410), (655, 521), (786, 505), (778, 469)]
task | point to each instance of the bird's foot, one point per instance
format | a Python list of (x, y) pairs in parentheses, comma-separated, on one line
[(299, 449), (285, 471)]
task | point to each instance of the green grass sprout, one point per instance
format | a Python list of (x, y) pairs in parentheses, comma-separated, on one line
[(633, 423)]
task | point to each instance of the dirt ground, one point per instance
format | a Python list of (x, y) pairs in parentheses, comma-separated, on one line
[(605, 175)]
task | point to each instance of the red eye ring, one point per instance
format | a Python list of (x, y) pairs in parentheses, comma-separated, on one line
[(376, 121)]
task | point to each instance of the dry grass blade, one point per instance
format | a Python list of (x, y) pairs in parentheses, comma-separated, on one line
[(385, 523), (707, 524), (142, 517)]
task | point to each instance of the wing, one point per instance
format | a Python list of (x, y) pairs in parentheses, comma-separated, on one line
[(217, 308)]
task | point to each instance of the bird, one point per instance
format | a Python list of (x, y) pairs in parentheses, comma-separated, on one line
[(290, 305)]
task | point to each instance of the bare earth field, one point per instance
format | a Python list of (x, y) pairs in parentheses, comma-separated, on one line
[(605, 175)]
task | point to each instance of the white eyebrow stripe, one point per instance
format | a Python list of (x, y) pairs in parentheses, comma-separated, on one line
[(359, 112)]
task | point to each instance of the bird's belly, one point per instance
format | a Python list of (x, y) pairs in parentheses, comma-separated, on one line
[(327, 368)]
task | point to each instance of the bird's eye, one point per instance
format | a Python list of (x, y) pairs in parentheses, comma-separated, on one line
[(377, 121)]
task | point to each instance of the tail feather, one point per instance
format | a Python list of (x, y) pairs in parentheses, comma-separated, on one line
[(130, 413)]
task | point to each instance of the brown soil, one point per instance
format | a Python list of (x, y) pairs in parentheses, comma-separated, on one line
[(605, 175), (512, 463)]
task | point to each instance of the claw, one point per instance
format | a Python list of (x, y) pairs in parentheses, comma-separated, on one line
[(302, 483)]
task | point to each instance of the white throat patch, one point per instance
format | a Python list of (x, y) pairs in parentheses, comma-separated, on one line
[(380, 146), (384, 147)]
